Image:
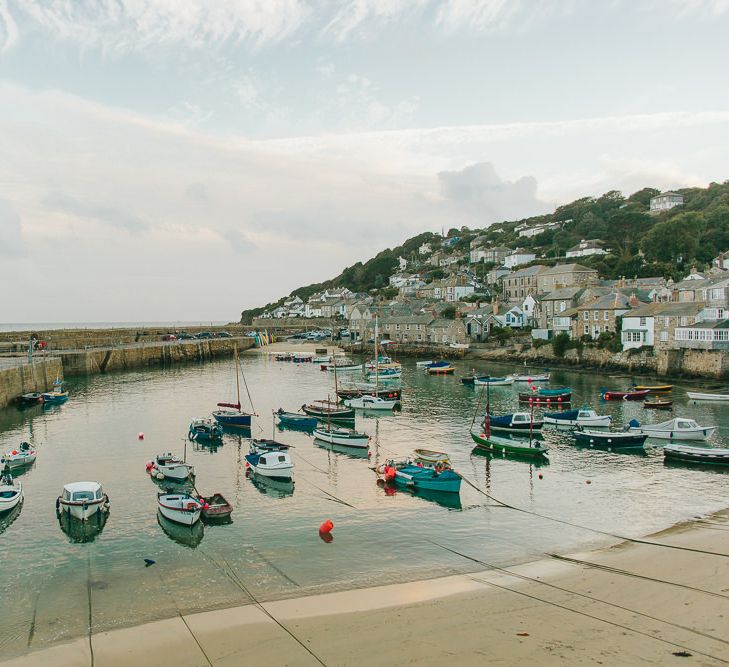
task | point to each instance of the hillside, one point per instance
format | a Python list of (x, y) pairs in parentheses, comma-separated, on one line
[(642, 244)]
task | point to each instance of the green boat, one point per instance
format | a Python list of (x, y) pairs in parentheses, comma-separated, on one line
[(507, 447)]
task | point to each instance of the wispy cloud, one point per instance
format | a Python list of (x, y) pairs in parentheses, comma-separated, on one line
[(101, 212)]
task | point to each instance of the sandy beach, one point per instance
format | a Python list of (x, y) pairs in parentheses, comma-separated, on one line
[(628, 604)]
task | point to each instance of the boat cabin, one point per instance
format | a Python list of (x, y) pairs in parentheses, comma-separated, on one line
[(82, 492)]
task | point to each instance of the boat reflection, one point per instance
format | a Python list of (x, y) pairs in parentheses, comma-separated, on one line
[(209, 447), (187, 536), (352, 452), (79, 532), (537, 462), (237, 432), (292, 427), (451, 501), (271, 487), (6, 518)]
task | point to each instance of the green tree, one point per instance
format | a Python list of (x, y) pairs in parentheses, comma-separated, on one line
[(674, 240), (449, 313)]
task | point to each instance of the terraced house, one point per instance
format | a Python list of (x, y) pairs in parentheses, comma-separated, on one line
[(600, 315), (517, 285), (405, 328)]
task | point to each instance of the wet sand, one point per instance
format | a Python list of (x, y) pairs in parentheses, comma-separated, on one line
[(629, 604)]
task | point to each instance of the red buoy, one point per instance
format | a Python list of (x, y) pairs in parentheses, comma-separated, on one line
[(541, 476), (326, 527), (141, 436)]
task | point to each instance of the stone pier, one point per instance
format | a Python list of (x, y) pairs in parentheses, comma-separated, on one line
[(18, 377)]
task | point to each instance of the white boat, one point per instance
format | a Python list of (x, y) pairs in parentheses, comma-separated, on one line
[(370, 403), (538, 377), (170, 466), (385, 375), (581, 417), (273, 463), (494, 382), (82, 500), (180, 507), (673, 429), (342, 436), (321, 360), (699, 396), (11, 493), (423, 364), (16, 458)]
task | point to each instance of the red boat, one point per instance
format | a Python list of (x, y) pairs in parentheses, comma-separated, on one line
[(536, 399), (624, 395)]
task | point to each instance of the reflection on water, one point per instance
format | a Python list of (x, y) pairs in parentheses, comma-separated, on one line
[(273, 545), (187, 536), (82, 531), (352, 452), (7, 518)]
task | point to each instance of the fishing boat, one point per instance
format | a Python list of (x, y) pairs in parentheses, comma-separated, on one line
[(301, 358), (583, 417), (232, 415), (678, 428), (371, 403), (82, 500), (215, 507), (385, 374), (341, 365), (424, 364), (169, 466), (31, 398), (696, 455), (658, 404), (270, 459), (439, 477), (284, 356), (630, 395), (701, 396), (11, 492), (494, 381), (322, 360), (531, 379), (654, 388), (471, 379), (441, 370), (327, 409), (504, 445), (24, 455), (295, 420), (435, 364), (609, 439), (367, 389), (543, 396), (182, 507), (59, 393), (382, 361), (518, 422), (204, 428), (342, 436), (431, 456)]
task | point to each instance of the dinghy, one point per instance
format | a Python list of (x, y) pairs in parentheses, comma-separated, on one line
[(544, 396), (658, 404), (654, 388), (441, 370), (424, 364), (328, 410), (583, 417), (215, 507), (700, 396), (342, 436), (431, 456), (82, 500), (11, 492), (673, 429), (169, 466), (539, 377), (424, 477), (696, 455), (31, 398), (632, 395), (181, 507), (24, 455), (471, 379)]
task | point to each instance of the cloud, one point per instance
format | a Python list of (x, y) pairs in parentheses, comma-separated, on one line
[(8, 28), (700, 8), (480, 192), (11, 241), (102, 212)]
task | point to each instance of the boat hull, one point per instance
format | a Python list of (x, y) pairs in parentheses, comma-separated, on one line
[(625, 395), (508, 448), (700, 396), (493, 382), (686, 434), (231, 419), (536, 399), (604, 421), (10, 497), (609, 440), (335, 414), (184, 517), (83, 511), (442, 371), (696, 455), (367, 403), (361, 441), (427, 479)]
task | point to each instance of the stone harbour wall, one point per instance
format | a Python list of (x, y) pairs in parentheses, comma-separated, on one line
[(24, 377)]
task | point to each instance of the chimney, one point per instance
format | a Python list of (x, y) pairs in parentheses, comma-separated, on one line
[(495, 307), (633, 300)]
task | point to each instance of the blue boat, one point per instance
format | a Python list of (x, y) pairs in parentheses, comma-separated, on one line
[(421, 477), (59, 393), (202, 428), (295, 420), (559, 391), (518, 422), (233, 416)]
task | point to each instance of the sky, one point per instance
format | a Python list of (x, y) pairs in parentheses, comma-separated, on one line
[(185, 159)]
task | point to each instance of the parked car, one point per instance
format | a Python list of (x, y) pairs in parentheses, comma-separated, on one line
[(223, 334), (184, 335), (204, 334), (169, 337)]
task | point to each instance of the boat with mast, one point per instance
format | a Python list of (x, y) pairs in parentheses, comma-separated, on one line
[(232, 415)]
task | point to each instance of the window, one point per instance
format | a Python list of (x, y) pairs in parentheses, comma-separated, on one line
[(606, 328), (562, 306), (397, 327), (642, 321), (420, 336), (585, 316), (607, 316), (587, 329), (595, 315), (664, 336)]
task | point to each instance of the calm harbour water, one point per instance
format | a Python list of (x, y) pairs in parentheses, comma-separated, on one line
[(272, 549)]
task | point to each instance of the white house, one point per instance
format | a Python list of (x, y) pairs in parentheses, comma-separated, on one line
[(638, 328), (425, 249), (518, 257), (403, 263), (585, 248), (665, 201), (530, 308), (536, 230), (477, 255)]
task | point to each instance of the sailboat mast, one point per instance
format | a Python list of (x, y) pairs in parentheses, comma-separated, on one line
[(377, 359), (487, 419), (237, 379)]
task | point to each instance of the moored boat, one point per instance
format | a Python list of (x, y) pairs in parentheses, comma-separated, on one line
[(11, 492), (366, 389), (342, 436), (543, 396), (327, 409), (434, 364), (169, 466), (24, 455), (471, 379), (424, 364), (438, 477), (696, 455), (701, 396), (215, 507), (518, 422), (59, 393), (31, 398), (441, 370), (295, 420), (431, 456), (371, 403), (181, 507), (508, 447), (654, 388), (658, 404), (678, 428), (82, 500), (493, 381), (231, 416), (630, 395), (204, 428), (609, 439), (583, 417), (537, 377), (269, 461)]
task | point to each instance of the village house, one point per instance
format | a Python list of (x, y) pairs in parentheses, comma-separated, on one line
[(496, 255), (535, 230), (446, 331), (601, 315), (403, 329), (556, 302), (710, 291), (518, 257), (519, 284), (654, 324), (703, 335), (359, 315), (425, 249), (586, 248), (721, 261), (665, 201), (530, 308), (564, 275), (450, 260)]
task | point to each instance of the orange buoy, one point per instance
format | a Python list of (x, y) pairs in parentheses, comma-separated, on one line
[(389, 473), (15, 452), (326, 527), (141, 436)]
